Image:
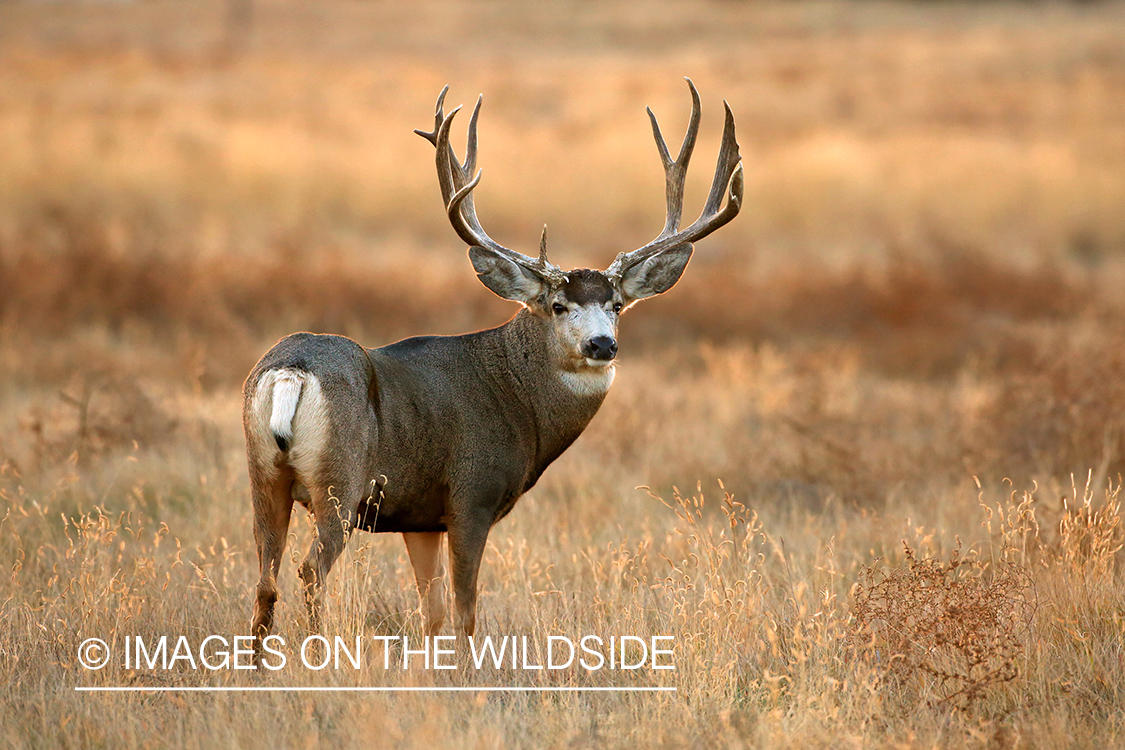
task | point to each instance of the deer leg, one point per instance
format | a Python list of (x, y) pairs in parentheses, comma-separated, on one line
[(273, 505), (466, 548), (334, 523), (424, 549)]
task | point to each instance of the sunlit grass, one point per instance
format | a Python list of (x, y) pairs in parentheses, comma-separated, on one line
[(909, 341)]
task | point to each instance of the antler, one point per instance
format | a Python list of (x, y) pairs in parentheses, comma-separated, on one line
[(728, 179), (457, 188)]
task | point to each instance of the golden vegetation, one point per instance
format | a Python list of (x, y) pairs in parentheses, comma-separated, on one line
[(923, 290)]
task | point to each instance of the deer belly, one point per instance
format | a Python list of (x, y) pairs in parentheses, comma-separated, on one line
[(395, 514)]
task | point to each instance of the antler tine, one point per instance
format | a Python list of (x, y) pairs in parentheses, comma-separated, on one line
[(439, 117), (457, 187), (447, 187), (462, 183), (728, 172), (432, 137), (676, 171), (728, 179)]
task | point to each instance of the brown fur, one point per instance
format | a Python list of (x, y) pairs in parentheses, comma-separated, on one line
[(423, 414)]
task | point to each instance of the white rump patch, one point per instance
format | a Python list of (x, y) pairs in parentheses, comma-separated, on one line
[(286, 394), (288, 404), (310, 431), (589, 381)]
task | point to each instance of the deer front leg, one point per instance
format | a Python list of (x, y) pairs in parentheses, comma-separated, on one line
[(467, 538), (424, 549)]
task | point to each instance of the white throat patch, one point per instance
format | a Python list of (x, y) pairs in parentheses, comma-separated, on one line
[(589, 381)]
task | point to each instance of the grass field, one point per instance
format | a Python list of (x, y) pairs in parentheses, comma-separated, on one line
[(878, 426)]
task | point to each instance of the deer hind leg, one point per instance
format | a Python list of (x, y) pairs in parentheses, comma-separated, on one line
[(273, 505), (333, 506), (424, 549)]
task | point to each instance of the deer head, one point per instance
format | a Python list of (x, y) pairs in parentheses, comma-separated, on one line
[(584, 305)]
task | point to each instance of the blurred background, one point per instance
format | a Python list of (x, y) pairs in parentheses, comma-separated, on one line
[(933, 231)]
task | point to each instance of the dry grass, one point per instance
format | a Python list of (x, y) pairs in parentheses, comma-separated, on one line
[(955, 626), (923, 290)]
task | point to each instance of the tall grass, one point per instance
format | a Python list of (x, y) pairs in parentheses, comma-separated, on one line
[(896, 361)]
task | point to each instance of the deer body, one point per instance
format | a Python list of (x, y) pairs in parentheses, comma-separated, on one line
[(442, 434), (421, 414)]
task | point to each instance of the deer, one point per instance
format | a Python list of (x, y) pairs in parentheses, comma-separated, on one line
[(440, 436)]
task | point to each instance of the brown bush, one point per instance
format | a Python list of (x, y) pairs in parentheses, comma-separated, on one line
[(943, 630)]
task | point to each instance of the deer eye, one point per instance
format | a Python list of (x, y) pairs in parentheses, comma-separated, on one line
[(617, 307), (558, 309)]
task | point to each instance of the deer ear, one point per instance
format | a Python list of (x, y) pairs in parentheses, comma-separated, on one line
[(505, 278), (657, 274)]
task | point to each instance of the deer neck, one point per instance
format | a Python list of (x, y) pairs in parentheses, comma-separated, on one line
[(559, 402)]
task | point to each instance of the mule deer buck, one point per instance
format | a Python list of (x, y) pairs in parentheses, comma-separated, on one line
[(443, 434)]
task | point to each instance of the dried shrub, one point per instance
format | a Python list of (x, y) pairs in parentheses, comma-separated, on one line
[(943, 631)]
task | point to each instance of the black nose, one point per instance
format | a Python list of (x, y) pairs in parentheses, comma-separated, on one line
[(601, 347)]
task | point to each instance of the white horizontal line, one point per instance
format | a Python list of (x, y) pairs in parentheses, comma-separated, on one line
[(452, 689)]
